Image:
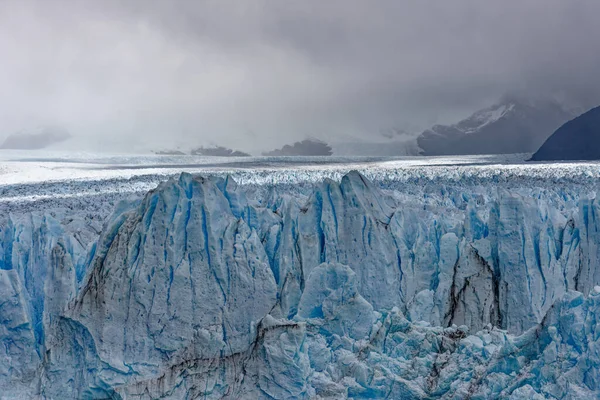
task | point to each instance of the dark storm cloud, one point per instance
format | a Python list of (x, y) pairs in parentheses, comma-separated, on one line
[(255, 74)]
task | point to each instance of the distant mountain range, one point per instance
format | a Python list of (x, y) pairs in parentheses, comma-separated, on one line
[(308, 147), (169, 153), (39, 138), (213, 151), (511, 126), (218, 151), (578, 139)]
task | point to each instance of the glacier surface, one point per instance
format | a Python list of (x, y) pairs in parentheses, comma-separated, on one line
[(341, 288)]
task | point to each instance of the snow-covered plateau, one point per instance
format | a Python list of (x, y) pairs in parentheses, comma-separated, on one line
[(293, 278)]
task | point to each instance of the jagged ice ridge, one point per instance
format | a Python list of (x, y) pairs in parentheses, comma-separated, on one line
[(202, 291)]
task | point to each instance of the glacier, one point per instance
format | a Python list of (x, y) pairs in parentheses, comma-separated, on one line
[(344, 288)]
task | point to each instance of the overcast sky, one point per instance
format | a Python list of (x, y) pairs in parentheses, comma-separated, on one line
[(258, 73)]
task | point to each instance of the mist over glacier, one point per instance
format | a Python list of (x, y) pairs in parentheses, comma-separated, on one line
[(407, 284)]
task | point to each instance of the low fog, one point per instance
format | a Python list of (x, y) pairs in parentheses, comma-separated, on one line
[(255, 75)]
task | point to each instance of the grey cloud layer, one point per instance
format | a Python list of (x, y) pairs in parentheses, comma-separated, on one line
[(260, 73)]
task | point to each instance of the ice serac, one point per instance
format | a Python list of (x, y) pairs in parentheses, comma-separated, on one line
[(179, 279), (34, 250), (505, 268), (20, 359), (332, 296), (528, 239), (588, 274), (348, 223)]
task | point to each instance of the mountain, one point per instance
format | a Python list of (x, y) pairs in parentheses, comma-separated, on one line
[(213, 151), (512, 126), (578, 139), (218, 151), (39, 138), (169, 153), (307, 147)]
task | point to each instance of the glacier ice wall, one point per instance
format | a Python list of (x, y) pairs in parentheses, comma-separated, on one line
[(35, 248), (204, 291)]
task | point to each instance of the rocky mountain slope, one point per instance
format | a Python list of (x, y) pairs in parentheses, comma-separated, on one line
[(512, 126), (308, 147), (578, 139)]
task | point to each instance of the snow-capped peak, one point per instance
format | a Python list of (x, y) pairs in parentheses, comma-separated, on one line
[(485, 117)]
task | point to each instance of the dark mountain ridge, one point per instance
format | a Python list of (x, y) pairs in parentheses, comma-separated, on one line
[(308, 147), (578, 139)]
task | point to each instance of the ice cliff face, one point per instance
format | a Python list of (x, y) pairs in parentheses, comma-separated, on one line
[(182, 272), (202, 292), (42, 259)]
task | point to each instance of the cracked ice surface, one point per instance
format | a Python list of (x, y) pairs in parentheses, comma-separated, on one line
[(321, 287)]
